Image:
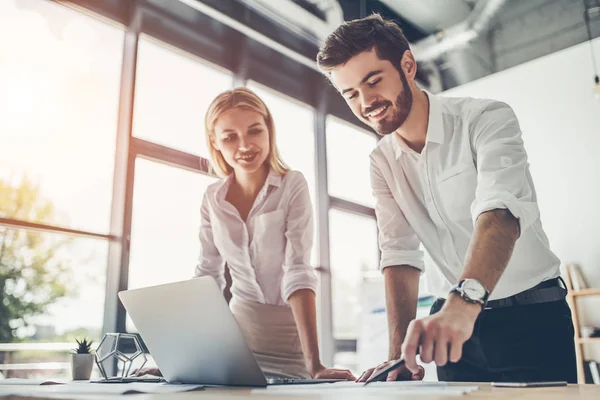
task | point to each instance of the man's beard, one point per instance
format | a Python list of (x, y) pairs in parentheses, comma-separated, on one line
[(400, 110)]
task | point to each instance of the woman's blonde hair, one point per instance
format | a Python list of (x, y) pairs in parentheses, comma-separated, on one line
[(244, 99)]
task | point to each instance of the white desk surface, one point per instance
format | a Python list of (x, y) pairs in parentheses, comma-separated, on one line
[(486, 391)]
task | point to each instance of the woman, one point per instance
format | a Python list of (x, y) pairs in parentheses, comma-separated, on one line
[(258, 221)]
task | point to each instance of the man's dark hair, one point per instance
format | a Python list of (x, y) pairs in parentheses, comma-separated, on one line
[(354, 37)]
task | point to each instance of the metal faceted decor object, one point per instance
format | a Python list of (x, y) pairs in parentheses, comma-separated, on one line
[(120, 350)]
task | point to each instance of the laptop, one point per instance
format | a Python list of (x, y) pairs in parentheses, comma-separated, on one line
[(193, 336)]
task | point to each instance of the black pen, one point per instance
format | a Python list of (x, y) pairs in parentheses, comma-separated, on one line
[(396, 364)]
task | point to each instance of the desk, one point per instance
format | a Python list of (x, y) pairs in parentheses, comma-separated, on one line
[(486, 391)]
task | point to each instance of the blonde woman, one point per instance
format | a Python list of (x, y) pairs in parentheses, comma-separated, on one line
[(258, 220)]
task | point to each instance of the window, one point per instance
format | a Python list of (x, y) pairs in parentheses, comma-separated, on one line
[(294, 127), (54, 291), (348, 165), (59, 86), (353, 252), (165, 225), (173, 91)]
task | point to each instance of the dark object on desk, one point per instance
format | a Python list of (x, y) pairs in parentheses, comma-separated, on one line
[(383, 373), (528, 384)]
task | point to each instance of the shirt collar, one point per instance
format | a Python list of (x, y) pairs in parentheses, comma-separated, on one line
[(435, 127), (273, 179)]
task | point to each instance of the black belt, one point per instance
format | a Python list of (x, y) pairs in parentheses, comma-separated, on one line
[(547, 291)]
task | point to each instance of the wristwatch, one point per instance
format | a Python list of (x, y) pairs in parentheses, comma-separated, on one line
[(472, 291)]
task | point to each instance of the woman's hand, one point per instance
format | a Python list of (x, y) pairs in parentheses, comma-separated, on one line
[(332, 373), (147, 371)]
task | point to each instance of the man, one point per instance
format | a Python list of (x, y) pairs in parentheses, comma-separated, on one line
[(452, 175)]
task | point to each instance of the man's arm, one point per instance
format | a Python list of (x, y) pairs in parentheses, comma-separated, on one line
[(491, 247), (504, 206), (441, 336), (401, 264), (401, 294), (401, 260)]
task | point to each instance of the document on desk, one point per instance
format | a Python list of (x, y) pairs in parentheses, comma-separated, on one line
[(412, 388), (28, 382), (79, 388)]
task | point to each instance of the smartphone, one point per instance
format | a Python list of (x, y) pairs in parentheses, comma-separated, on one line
[(382, 375), (528, 384)]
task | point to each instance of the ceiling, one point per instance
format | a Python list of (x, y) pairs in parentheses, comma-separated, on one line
[(454, 41), (457, 41), (431, 15)]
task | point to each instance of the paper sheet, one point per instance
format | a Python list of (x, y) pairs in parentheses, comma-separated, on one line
[(413, 388), (28, 382), (99, 388)]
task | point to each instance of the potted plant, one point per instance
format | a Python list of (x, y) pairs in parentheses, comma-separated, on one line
[(82, 360)]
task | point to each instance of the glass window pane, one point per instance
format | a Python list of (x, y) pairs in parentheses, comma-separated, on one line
[(165, 225), (166, 222), (59, 93), (54, 292), (348, 165), (353, 251), (294, 126), (172, 93)]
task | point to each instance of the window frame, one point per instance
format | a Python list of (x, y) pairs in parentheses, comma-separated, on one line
[(308, 87)]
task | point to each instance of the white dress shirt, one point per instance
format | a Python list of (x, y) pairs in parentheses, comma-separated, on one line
[(268, 255), (473, 161)]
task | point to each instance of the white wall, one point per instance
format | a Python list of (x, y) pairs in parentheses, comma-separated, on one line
[(560, 119)]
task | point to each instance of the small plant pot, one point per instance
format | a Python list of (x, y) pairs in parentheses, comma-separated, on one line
[(81, 366)]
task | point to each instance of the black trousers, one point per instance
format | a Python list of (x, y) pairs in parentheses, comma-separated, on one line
[(528, 343)]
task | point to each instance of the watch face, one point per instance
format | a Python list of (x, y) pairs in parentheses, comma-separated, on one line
[(473, 289)]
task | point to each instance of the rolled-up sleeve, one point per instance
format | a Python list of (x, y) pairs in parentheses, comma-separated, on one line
[(210, 262), (297, 271), (398, 242), (503, 180)]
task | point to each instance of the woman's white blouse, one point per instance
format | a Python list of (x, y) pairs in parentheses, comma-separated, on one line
[(269, 255)]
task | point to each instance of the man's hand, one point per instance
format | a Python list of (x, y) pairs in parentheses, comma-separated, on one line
[(400, 374), (440, 337), (321, 372)]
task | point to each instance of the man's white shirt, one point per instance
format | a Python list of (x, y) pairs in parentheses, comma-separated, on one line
[(473, 161)]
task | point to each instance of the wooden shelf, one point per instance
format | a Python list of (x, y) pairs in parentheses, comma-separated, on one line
[(572, 297), (585, 292), (589, 340)]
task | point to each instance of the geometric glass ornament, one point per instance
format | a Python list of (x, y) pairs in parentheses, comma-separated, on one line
[(121, 350)]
